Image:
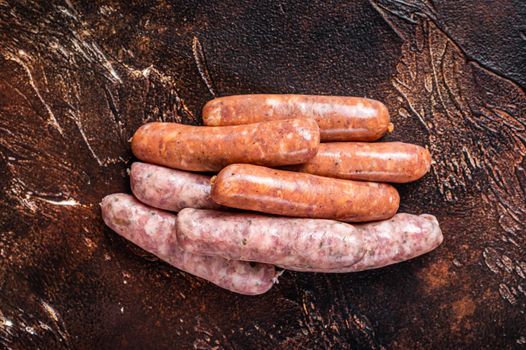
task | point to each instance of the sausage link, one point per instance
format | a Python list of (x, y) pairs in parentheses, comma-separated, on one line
[(154, 231), (341, 118), (201, 148), (307, 244), (289, 193), (170, 189), (380, 161)]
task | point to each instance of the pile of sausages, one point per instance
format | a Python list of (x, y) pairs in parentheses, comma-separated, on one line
[(267, 152)]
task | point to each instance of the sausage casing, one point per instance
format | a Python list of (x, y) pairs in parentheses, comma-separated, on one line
[(341, 118), (280, 192), (307, 244), (201, 148), (170, 189), (154, 231), (379, 161)]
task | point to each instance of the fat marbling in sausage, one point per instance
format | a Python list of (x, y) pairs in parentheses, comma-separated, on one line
[(155, 231), (170, 189), (287, 193), (307, 244), (377, 161), (341, 118), (201, 148)]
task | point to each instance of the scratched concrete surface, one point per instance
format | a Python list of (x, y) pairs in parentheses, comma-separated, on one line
[(78, 77)]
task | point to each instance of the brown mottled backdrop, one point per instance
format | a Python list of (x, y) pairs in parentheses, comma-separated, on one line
[(77, 77)]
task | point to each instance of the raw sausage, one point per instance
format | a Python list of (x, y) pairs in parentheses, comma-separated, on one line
[(307, 244), (289, 193), (201, 148), (388, 242), (380, 161), (170, 189), (340, 118), (154, 231)]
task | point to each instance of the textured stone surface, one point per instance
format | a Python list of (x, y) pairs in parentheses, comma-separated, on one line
[(78, 77)]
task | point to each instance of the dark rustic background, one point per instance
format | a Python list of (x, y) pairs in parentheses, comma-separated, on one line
[(78, 77)]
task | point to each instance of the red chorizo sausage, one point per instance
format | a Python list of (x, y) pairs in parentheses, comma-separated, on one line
[(340, 118), (170, 189), (154, 231), (379, 161), (307, 244), (288, 193), (201, 148)]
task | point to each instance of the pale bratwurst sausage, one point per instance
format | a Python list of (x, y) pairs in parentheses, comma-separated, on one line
[(341, 118), (170, 189), (307, 244), (201, 148), (154, 231), (289, 193)]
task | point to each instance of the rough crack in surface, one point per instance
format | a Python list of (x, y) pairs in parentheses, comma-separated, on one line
[(200, 61)]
